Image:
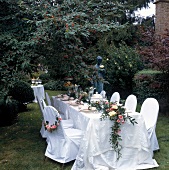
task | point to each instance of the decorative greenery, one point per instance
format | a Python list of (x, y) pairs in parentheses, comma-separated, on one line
[(83, 96), (116, 114)]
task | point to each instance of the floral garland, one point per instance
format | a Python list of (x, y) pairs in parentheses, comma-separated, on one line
[(51, 128), (116, 114)]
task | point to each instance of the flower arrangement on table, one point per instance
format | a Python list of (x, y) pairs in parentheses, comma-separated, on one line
[(70, 87), (51, 128), (68, 84), (115, 113), (83, 96), (36, 81)]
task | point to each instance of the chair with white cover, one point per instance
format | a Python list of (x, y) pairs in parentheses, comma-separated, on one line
[(66, 123), (48, 99), (103, 93), (131, 103), (149, 111), (42, 105), (63, 144), (115, 98)]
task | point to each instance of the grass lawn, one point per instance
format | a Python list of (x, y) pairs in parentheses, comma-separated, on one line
[(22, 148)]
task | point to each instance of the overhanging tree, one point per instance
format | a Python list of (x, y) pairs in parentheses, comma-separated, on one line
[(58, 32)]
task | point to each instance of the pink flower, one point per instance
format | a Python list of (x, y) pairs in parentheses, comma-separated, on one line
[(118, 121), (59, 118), (123, 121), (53, 126), (48, 128), (120, 116)]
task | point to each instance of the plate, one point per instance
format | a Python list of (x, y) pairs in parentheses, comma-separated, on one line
[(59, 96), (66, 99), (71, 98), (87, 111), (73, 104)]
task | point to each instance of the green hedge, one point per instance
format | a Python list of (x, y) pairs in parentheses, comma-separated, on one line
[(149, 83), (54, 85)]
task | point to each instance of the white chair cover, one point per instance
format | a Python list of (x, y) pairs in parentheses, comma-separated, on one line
[(103, 93), (60, 106), (149, 110), (63, 144), (42, 104), (115, 98), (48, 99), (131, 103)]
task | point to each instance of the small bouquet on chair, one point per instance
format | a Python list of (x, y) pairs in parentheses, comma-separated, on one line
[(51, 128)]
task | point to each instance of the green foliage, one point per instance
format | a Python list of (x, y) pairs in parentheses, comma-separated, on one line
[(121, 65), (154, 52), (22, 92), (67, 30), (58, 34), (146, 86), (17, 54), (54, 85), (45, 77), (8, 112), (152, 84)]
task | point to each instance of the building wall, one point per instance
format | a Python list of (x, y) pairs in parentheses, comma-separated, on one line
[(162, 16)]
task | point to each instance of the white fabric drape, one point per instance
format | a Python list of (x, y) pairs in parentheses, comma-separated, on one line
[(131, 103), (63, 143), (38, 92), (95, 150), (115, 97), (149, 111)]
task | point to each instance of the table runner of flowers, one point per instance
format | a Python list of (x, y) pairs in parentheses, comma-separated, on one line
[(115, 113)]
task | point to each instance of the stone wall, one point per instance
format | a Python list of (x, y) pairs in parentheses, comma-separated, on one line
[(162, 16)]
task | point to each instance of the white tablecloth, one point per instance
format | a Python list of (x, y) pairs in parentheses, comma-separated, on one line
[(95, 151), (39, 92)]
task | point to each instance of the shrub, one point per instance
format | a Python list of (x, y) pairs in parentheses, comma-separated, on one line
[(152, 84), (121, 65), (21, 92), (54, 85), (45, 78), (8, 112)]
